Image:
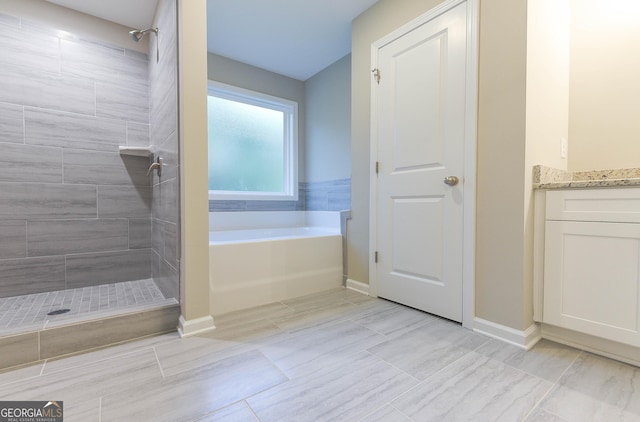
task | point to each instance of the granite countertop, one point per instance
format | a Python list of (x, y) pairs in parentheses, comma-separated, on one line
[(550, 178)]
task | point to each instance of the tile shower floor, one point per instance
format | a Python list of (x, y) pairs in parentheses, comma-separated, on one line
[(31, 310), (336, 356)]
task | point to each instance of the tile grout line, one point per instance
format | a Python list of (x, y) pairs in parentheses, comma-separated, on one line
[(390, 402), (375, 409), (385, 337), (551, 413), (426, 379), (418, 382), (24, 125), (227, 406), (34, 308), (255, 415), (18, 380), (245, 399), (401, 412), (155, 352), (536, 406), (382, 407), (104, 359), (392, 336), (524, 371), (395, 367), (59, 55), (553, 384)]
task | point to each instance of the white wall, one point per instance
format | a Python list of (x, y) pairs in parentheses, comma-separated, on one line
[(604, 117), (548, 23), (328, 122), (547, 102)]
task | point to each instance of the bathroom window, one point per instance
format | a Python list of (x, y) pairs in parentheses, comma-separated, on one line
[(252, 145)]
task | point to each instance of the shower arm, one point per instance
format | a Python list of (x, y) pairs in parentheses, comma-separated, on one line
[(137, 34)]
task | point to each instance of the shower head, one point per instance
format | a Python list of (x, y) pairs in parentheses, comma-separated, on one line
[(137, 34)]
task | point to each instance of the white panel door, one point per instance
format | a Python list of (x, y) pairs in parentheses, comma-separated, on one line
[(420, 125)]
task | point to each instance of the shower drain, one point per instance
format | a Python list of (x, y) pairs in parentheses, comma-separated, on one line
[(59, 312)]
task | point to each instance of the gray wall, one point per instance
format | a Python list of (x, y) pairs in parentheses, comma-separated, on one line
[(163, 80), (222, 69), (328, 122), (324, 138), (231, 72), (328, 138), (73, 212)]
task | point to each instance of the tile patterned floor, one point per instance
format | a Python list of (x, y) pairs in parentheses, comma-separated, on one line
[(336, 356), (18, 311)]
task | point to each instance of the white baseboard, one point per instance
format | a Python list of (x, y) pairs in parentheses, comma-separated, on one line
[(358, 286), (523, 339), (195, 326)]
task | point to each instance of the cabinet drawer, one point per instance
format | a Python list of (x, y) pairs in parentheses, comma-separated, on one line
[(606, 205)]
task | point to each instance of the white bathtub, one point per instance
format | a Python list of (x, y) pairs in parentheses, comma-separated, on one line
[(253, 267)]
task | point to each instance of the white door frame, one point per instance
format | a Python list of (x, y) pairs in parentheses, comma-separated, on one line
[(471, 113)]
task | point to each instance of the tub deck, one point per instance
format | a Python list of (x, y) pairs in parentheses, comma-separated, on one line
[(265, 235)]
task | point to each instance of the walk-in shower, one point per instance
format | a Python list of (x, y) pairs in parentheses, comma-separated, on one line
[(88, 240)]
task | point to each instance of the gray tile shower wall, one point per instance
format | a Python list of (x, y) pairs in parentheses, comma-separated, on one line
[(163, 105), (73, 212), (334, 195), (32, 275)]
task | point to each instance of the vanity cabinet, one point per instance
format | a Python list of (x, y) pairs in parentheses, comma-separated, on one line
[(587, 262)]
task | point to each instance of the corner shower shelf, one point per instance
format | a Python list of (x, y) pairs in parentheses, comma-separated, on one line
[(136, 151)]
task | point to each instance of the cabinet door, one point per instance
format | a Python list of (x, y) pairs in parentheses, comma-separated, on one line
[(591, 279)]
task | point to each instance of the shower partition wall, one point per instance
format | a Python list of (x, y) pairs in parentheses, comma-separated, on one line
[(76, 226), (163, 80)]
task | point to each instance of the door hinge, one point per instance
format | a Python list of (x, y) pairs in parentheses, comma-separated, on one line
[(377, 167), (376, 74), (375, 257)]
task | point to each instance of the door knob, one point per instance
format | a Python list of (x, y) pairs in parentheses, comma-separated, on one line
[(451, 180)]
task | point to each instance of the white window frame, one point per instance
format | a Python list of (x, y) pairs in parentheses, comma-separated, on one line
[(290, 133)]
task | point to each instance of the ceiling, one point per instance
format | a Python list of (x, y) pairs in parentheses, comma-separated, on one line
[(133, 14), (296, 38)]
